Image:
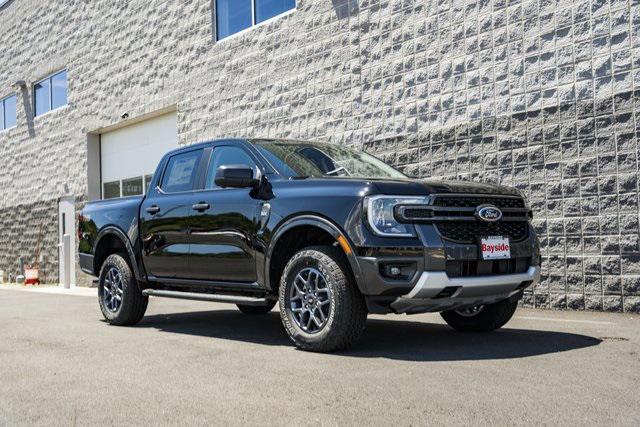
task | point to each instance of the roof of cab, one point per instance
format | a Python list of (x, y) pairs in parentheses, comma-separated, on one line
[(239, 141), (207, 143)]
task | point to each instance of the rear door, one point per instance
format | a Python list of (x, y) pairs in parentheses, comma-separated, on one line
[(165, 217), (224, 229)]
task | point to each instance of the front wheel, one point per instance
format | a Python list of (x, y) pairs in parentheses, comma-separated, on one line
[(481, 318), (119, 295), (320, 306)]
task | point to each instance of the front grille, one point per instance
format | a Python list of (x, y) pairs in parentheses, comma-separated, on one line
[(471, 231), (454, 201), (467, 268), (455, 217), (414, 213)]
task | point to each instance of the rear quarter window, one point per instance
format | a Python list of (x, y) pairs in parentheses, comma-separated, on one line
[(181, 171)]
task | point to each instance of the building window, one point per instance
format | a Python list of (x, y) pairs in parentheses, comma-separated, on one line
[(2, 2), (136, 186), (132, 186), (8, 112), (233, 16), (50, 93), (147, 182), (111, 190)]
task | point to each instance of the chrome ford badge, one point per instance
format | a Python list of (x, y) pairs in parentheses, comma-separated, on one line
[(488, 213)]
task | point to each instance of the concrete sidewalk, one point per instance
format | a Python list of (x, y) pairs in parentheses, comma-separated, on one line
[(53, 289)]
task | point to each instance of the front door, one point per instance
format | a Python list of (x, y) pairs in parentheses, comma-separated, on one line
[(165, 217), (66, 241), (224, 227)]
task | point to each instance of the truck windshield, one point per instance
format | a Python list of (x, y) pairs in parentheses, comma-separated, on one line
[(313, 159)]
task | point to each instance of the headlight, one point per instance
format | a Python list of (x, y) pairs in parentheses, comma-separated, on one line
[(380, 215)]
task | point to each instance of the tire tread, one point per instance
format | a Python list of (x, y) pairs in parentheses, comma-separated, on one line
[(351, 321), (134, 304)]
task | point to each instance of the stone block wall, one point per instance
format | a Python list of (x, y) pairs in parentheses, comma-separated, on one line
[(540, 94)]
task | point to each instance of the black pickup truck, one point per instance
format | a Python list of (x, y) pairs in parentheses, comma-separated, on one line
[(328, 233)]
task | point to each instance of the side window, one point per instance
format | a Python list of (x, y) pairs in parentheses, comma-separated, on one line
[(223, 156), (181, 172), (8, 112), (233, 16), (50, 93)]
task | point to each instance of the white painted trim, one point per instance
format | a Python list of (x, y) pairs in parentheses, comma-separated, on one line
[(136, 120)]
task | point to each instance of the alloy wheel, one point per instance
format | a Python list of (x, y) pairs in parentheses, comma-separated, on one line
[(112, 290), (310, 300)]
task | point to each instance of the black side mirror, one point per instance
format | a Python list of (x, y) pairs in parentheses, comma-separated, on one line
[(236, 176)]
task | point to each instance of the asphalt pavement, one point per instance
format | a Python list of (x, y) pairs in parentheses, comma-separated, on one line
[(198, 363)]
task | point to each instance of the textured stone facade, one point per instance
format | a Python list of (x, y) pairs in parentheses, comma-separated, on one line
[(539, 94)]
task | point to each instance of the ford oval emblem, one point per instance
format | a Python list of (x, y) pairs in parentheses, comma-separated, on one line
[(488, 213)]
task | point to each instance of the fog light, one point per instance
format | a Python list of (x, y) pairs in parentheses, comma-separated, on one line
[(395, 271)]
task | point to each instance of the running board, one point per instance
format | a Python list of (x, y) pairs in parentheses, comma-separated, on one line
[(232, 299)]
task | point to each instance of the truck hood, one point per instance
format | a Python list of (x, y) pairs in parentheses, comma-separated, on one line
[(419, 187)]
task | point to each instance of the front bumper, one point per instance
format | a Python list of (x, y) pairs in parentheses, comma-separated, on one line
[(435, 291)]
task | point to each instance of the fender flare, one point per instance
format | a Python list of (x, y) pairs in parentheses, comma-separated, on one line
[(321, 223), (115, 231)]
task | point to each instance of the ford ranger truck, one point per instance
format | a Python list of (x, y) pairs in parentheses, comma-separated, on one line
[(328, 233)]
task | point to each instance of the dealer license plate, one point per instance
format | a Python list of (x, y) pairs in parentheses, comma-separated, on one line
[(495, 247)]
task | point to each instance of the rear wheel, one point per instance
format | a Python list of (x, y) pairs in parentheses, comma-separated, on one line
[(119, 295), (256, 309), (320, 306), (481, 318)]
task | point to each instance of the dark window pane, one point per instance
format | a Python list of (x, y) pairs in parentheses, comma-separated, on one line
[(10, 112), (266, 9), (224, 156), (42, 97), (276, 161), (132, 186), (111, 190), (232, 16), (59, 90), (181, 172), (318, 159)]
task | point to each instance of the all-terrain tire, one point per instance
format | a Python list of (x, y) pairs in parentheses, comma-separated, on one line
[(490, 318), (133, 304), (347, 312), (256, 309)]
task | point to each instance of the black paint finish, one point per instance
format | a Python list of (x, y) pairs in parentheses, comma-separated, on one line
[(224, 238)]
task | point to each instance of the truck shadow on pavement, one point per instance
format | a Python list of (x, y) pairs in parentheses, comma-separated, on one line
[(392, 339)]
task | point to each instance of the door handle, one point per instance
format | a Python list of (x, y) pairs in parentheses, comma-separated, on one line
[(201, 206), (153, 209)]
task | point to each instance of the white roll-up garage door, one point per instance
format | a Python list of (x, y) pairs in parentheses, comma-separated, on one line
[(129, 155)]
